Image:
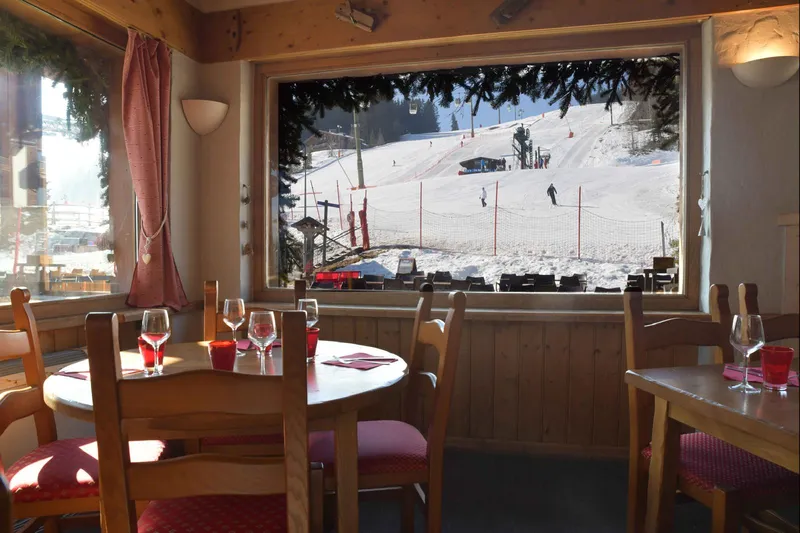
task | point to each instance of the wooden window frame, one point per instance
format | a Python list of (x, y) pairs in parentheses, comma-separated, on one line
[(560, 45)]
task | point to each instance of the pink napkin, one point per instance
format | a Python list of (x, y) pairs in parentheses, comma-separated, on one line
[(360, 361), (754, 375), (245, 344)]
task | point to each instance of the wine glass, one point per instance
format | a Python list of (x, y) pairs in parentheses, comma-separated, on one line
[(233, 316), (309, 305), (155, 331), (747, 336), (262, 332)]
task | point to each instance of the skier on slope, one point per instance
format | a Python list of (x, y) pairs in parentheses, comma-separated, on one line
[(394, 162), (551, 192), (483, 196)]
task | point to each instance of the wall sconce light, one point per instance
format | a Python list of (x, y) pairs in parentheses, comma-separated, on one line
[(766, 72), (204, 116)]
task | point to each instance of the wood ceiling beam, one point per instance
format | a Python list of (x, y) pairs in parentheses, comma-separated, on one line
[(68, 19), (173, 21), (308, 28)]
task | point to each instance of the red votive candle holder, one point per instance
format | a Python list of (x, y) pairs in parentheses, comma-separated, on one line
[(312, 339), (222, 354), (152, 365), (775, 364)]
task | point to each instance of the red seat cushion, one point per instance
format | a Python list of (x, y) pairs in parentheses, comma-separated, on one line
[(228, 514), (233, 440), (384, 446), (67, 469), (708, 462)]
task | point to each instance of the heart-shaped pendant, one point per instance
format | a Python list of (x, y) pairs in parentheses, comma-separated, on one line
[(146, 258)]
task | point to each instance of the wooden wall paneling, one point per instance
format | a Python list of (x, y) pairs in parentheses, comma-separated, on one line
[(344, 329), (555, 405), (65, 339), (506, 381), (685, 355), (326, 327), (366, 331), (458, 424), (481, 380), (47, 341), (607, 378), (581, 383), (531, 384)]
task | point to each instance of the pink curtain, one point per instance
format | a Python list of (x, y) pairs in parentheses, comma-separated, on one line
[(145, 121)]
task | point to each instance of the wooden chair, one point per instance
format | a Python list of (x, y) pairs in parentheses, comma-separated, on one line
[(208, 492), (776, 328), (6, 525), (213, 319), (60, 476), (728, 480), (397, 454)]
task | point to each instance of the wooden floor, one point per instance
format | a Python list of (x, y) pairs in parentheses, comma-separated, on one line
[(489, 493)]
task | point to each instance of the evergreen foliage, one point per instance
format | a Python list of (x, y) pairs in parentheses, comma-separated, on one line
[(453, 122)]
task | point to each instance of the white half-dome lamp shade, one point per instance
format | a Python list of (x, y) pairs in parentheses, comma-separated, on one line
[(204, 116), (766, 72)]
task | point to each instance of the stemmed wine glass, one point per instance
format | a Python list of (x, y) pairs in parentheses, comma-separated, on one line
[(747, 336), (262, 332), (155, 331), (233, 316), (309, 305)]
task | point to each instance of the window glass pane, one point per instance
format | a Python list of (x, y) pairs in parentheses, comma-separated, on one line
[(561, 191), (57, 232)]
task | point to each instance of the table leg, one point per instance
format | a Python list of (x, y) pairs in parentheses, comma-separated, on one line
[(346, 440), (663, 477)]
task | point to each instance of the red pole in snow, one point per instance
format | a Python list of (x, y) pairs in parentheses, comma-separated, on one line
[(420, 214), (339, 201), (319, 217), (579, 222), (16, 246), (496, 198)]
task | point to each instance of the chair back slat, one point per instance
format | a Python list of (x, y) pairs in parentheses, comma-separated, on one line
[(645, 347), (776, 328), (206, 475), (201, 391), (682, 331), (13, 344), (23, 343), (18, 404), (248, 397), (214, 320)]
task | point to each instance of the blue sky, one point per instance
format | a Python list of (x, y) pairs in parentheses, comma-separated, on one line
[(487, 116)]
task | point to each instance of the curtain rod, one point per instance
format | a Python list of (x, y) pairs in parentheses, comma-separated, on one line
[(71, 25)]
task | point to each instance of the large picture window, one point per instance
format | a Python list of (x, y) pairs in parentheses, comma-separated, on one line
[(555, 177), (57, 232)]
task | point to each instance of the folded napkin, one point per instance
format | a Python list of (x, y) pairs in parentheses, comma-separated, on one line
[(245, 344), (360, 361), (754, 375), (85, 375)]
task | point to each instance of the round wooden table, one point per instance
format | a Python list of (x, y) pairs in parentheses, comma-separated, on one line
[(334, 393)]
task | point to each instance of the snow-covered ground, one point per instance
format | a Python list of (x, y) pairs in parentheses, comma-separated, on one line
[(624, 198)]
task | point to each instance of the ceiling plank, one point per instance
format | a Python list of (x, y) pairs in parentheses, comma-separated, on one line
[(173, 21), (308, 28), (68, 19)]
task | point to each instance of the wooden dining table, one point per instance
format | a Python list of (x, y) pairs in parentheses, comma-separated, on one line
[(764, 424), (335, 395)]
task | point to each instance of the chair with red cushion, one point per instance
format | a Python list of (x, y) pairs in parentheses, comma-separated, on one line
[(408, 454), (60, 476), (204, 491), (727, 479)]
